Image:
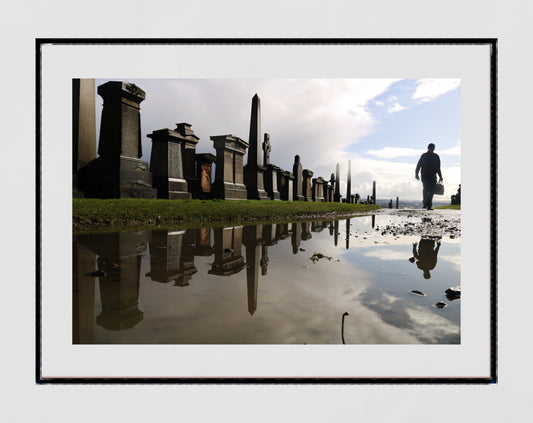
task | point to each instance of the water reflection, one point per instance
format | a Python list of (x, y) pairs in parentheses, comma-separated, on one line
[(426, 256), (120, 282)]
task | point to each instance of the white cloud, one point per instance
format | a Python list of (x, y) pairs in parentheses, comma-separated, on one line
[(394, 152), (397, 107), (430, 89)]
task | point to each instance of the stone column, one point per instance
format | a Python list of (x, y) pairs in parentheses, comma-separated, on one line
[(166, 165), (118, 172), (229, 180), (337, 195), (83, 127), (254, 171), (374, 192), (298, 180), (306, 184)]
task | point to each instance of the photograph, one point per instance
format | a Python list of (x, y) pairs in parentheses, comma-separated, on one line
[(297, 201)]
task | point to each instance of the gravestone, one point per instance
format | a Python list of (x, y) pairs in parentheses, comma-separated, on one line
[(337, 195), (83, 128), (188, 154), (118, 172), (254, 171), (298, 180), (204, 167), (166, 164), (229, 178), (285, 185), (306, 184), (318, 189)]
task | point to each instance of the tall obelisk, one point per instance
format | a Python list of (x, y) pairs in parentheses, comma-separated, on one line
[(337, 195), (349, 183), (253, 171)]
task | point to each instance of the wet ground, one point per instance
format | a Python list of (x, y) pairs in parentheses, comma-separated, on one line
[(388, 278)]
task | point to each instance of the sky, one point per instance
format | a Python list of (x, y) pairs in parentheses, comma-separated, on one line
[(381, 125)]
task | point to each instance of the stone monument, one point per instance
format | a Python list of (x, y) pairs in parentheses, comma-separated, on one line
[(188, 154), (118, 172), (254, 171), (285, 185), (271, 172), (318, 189), (298, 180), (166, 164), (306, 184), (229, 180)]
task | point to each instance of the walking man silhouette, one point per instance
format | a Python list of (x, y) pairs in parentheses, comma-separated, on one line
[(429, 163)]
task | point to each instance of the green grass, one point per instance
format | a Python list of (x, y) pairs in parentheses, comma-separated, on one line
[(95, 213), (451, 207)]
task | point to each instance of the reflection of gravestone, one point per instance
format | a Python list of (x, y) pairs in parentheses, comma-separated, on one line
[(296, 237), (119, 257), (271, 172), (306, 184), (228, 251), (306, 231), (166, 164), (298, 180), (165, 256), (204, 164), (229, 180), (118, 172), (254, 171)]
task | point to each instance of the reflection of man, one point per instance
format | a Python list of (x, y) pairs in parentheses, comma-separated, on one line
[(429, 162), (426, 257)]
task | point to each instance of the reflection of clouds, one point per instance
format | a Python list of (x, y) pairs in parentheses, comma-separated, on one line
[(386, 254), (387, 319), (455, 260)]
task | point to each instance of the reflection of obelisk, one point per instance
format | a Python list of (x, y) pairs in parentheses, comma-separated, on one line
[(337, 195), (252, 241), (336, 234), (254, 171), (347, 234)]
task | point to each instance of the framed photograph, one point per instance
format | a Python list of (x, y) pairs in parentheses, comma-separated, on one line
[(405, 293)]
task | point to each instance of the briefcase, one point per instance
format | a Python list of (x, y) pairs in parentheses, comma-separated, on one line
[(439, 189)]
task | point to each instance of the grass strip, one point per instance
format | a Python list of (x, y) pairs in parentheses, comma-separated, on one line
[(95, 213)]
